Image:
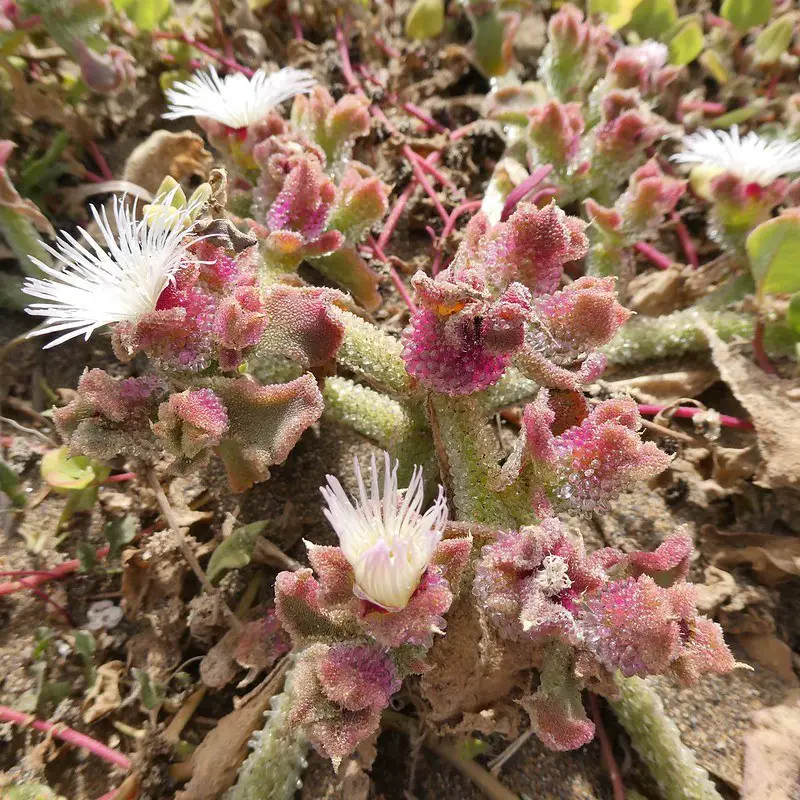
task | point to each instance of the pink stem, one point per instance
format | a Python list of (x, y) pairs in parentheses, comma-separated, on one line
[(204, 48), (226, 45), (61, 571), (436, 173), (460, 133), (396, 279), (417, 112), (519, 192), (412, 158), (706, 106), (547, 193), (47, 599), (93, 177), (23, 573), (758, 348), (449, 227), (687, 412), (344, 54), (67, 735), (400, 205), (606, 751), (686, 240), (99, 159), (120, 478), (385, 48), (297, 27), (656, 257)]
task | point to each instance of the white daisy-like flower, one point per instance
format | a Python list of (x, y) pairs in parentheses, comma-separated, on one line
[(387, 540), (236, 101), (96, 287), (751, 157)]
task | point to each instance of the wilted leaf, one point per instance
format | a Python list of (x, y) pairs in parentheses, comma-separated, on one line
[(746, 14), (686, 44), (773, 248), (771, 754), (235, 551), (104, 696), (218, 667), (262, 643)]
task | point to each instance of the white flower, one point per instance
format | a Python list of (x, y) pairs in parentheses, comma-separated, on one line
[(236, 101), (651, 53), (752, 158), (553, 578), (386, 539), (96, 288)]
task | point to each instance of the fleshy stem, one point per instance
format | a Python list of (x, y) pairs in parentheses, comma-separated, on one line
[(606, 750), (38, 578), (67, 735), (654, 256), (518, 193), (690, 251), (657, 740)]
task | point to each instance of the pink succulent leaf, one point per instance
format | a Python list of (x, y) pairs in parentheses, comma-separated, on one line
[(554, 131), (451, 558), (417, 622), (363, 201), (298, 605), (190, 423), (461, 341), (650, 196), (334, 731), (358, 677), (336, 576), (277, 156), (530, 582), (608, 220), (704, 650), (556, 709), (262, 643), (265, 424), (533, 364), (667, 563), (240, 319), (533, 245), (105, 73), (301, 325)]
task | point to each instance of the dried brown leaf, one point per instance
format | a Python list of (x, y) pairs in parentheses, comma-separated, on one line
[(774, 408), (771, 652), (104, 696), (181, 155), (772, 558), (771, 754)]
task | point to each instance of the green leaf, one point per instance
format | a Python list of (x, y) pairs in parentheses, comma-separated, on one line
[(793, 314), (120, 532), (146, 14), (42, 638), (774, 252), (85, 646), (29, 791), (425, 20), (87, 556), (775, 39), (619, 11), (235, 551), (69, 474), (152, 693), (746, 14), (652, 19), (686, 44), (10, 485)]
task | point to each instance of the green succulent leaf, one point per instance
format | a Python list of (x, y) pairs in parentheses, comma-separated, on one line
[(774, 252), (775, 39), (793, 315), (235, 552), (686, 44), (66, 473), (653, 19), (746, 14), (146, 14), (425, 20)]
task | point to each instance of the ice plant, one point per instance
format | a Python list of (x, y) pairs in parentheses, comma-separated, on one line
[(235, 101), (97, 288), (386, 539), (742, 176)]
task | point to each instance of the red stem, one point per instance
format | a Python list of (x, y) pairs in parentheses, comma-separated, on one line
[(385, 48), (686, 240), (465, 130), (344, 54), (67, 735), (656, 257), (687, 412), (99, 159), (519, 192), (61, 571), (606, 751), (204, 48), (47, 599), (297, 27), (414, 159), (449, 227), (396, 279), (706, 106), (436, 173), (120, 478), (758, 348), (399, 206)]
